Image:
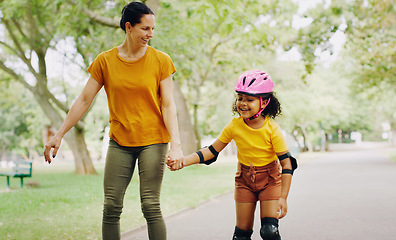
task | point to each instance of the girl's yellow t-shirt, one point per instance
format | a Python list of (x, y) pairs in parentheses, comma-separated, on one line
[(256, 146), (133, 95)]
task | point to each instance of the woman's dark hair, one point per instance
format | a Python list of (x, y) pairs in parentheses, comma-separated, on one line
[(272, 110), (133, 12)]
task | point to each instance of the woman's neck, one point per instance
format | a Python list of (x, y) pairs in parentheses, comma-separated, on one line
[(131, 53)]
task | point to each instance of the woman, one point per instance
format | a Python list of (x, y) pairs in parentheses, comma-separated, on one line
[(138, 83)]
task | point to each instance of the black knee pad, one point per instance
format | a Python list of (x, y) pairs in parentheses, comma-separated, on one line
[(240, 234), (269, 229)]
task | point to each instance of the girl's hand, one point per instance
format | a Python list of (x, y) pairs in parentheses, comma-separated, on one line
[(282, 208)]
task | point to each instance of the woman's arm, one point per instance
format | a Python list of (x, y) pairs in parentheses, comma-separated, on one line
[(286, 182), (78, 109), (194, 157), (168, 108)]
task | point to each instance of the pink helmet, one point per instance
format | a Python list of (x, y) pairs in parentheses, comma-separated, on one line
[(254, 82)]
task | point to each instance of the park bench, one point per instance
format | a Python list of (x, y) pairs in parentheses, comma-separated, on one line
[(21, 169)]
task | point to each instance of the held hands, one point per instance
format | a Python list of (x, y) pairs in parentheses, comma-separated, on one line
[(54, 143), (174, 158), (174, 165)]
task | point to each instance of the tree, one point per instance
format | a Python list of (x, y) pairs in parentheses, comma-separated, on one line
[(370, 37), (368, 57), (31, 32), (372, 42)]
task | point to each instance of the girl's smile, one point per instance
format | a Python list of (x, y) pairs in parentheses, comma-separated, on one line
[(247, 105)]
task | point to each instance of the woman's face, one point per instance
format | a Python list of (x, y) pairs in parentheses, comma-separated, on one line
[(247, 106), (142, 32)]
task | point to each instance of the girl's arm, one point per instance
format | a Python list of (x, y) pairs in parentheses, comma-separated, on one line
[(286, 182), (78, 109), (169, 114), (194, 157)]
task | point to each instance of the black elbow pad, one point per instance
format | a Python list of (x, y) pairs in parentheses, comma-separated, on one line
[(292, 160), (293, 163), (210, 161)]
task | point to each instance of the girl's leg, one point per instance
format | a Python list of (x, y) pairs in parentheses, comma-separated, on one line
[(245, 215), (151, 162), (244, 220), (269, 208), (269, 220), (118, 173)]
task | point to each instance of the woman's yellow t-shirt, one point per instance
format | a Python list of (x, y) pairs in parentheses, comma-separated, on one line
[(256, 146), (133, 95)]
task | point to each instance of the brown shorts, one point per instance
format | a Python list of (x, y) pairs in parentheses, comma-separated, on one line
[(254, 184)]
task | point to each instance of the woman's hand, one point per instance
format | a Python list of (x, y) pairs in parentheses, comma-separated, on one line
[(54, 143)]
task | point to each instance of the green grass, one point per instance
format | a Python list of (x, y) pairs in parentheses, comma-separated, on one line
[(69, 206)]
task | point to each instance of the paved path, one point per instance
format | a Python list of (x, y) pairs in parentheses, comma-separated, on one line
[(347, 195)]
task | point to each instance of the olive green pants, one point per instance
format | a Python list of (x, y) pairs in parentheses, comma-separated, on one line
[(119, 168)]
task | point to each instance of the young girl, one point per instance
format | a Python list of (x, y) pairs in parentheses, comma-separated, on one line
[(260, 144)]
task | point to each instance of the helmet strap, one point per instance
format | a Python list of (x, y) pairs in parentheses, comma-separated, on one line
[(261, 109)]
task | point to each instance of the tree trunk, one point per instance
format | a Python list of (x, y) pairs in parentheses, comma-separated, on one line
[(76, 142), (195, 115), (307, 143), (186, 130), (295, 138), (196, 126)]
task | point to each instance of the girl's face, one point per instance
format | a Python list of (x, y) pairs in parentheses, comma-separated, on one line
[(142, 32), (247, 106)]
